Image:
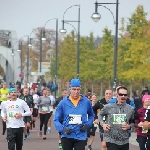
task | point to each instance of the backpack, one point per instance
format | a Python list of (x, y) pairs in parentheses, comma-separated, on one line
[(54, 87)]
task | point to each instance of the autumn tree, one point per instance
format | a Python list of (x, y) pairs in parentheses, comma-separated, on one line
[(133, 62)]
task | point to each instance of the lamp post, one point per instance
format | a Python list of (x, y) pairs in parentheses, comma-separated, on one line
[(96, 17), (30, 45), (63, 31), (20, 51), (12, 54), (56, 46)]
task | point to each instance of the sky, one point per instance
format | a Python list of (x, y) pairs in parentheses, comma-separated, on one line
[(23, 16)]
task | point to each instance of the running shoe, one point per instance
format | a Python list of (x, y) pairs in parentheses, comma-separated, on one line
[(28, 133), (25, 137), (44, 137), (60, 146), (40, 133), (48, 130)]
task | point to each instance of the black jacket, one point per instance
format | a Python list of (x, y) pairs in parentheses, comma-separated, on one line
[(99, 105)]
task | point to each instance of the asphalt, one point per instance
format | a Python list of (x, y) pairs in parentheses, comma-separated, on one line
[(36, 143)]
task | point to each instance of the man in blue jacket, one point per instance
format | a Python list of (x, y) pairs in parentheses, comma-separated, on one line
[(74, 110)]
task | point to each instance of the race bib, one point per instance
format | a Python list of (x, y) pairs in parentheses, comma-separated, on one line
[(44, 108), (119, 118), (144, 130), (11, 114), (75, 119)]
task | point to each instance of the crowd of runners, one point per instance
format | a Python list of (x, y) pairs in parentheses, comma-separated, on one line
[(77, 117)]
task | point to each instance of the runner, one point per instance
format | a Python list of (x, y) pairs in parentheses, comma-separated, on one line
[(27, 119), (74, 109), (3, 93), (91, 131), (35, 109), (97, 108), (119, 119), (44, 112), (142, 133), (146, 126), (51, 109), (64, 93), (12, 114)]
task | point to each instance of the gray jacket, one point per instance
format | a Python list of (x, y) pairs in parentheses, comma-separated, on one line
[(44, 107), (116, 134)]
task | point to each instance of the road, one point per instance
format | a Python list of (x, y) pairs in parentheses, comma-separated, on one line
[(36, 143)]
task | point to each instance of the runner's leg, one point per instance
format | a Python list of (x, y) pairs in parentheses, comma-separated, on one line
[(19, 139)]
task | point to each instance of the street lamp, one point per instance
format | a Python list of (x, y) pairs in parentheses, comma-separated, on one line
[(20, 51), (56, 46), (96, 17), (63, 31), (30, 45)]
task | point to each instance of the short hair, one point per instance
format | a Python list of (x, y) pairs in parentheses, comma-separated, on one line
[(63, 90), (44, 89), (25, 89), (121, 87), (48, 89), (94, 94)]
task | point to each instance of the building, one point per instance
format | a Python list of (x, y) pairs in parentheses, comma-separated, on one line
[(9, 57)]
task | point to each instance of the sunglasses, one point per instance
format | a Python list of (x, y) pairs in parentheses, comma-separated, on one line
[(120, 94)]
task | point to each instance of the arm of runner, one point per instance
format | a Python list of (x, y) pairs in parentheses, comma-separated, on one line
[(146, 123), (3, 112), (58, 118), (32, 105), (39, 102), (27, 110), (136, 117), (132, 120), (90, 114), (95, 109), (103, 112)]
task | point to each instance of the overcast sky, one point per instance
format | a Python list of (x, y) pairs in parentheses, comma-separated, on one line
[(25, 15)]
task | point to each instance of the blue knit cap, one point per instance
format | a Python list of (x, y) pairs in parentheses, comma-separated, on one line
[(12, 90), (75, 83)]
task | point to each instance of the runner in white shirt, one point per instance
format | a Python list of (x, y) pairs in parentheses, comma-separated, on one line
[(35, 109), (13, 113), (51, 109)]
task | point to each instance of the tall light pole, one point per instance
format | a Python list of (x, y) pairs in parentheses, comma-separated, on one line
[(56, 46), (30, 45), (28, 62), (63, 31), (96, 17), (12, 54), (20, 51)]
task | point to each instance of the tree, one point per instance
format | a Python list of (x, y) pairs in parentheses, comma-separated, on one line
[(106, 55), (67, 57), (134, 48)]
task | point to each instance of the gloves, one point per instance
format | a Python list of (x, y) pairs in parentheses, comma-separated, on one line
[(83, 127), (67, 131)]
